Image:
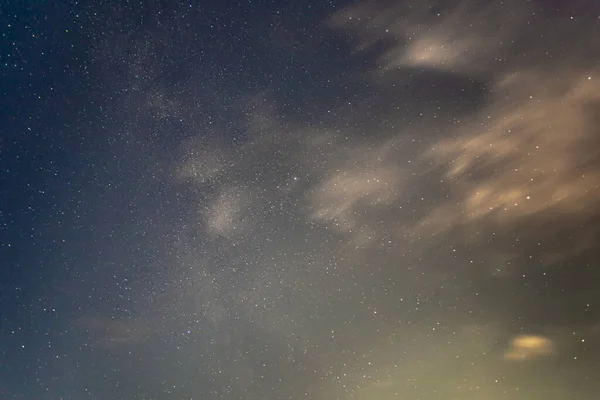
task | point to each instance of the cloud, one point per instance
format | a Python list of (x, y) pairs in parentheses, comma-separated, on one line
[(460, 362), (531, 151), (391, 186), (462, 38), (527, 347), (367, 182), (526, 157)]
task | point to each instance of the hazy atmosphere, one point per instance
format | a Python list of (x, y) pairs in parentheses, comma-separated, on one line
[(335, 200)]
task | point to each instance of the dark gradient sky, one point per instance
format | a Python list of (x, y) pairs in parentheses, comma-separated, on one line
[(287, 200)]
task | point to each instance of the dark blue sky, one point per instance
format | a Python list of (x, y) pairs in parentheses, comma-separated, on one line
[(269, 200)]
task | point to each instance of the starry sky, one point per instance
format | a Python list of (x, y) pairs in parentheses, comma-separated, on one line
[(332, 200)]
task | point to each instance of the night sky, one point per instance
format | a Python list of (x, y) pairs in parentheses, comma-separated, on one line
[(268, 200)]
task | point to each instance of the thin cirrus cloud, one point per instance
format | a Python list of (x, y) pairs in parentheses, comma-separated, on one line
[(526, 156), (526, 153), (366, 181), (530, 152), (463, 38)]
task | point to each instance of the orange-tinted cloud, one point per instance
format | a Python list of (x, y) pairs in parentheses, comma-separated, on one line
[(528, 347)]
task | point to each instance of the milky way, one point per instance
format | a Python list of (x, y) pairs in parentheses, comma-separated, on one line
[(372, 200)]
